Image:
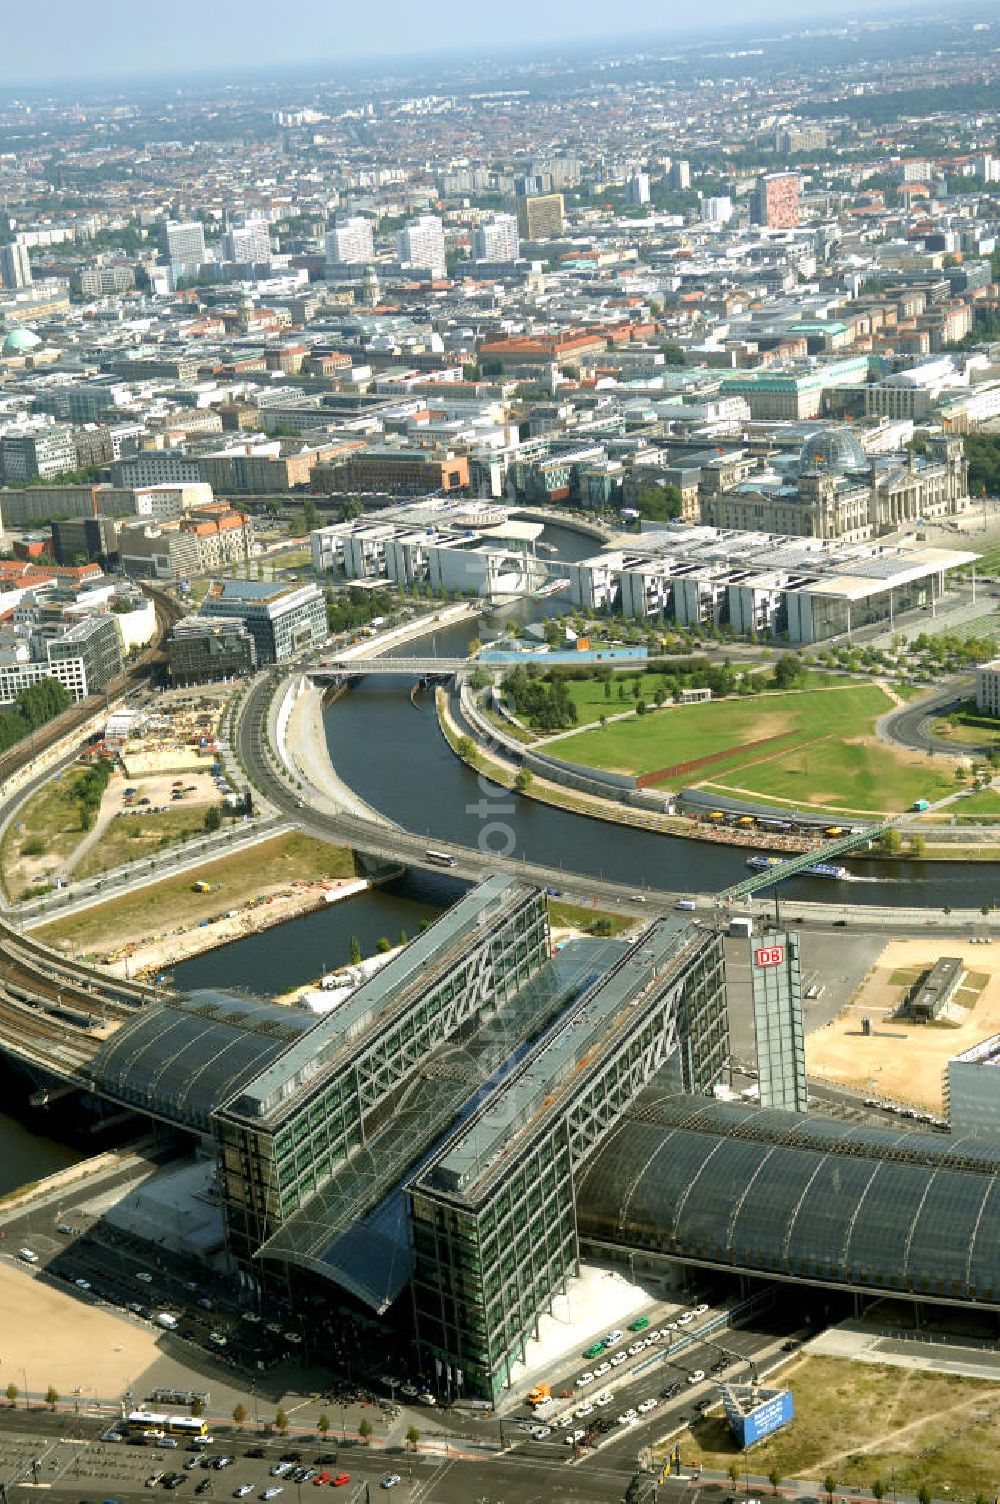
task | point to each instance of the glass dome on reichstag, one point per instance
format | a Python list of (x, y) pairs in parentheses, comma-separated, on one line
[(831, 451)]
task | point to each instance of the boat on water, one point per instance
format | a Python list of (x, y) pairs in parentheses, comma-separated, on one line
[(833, 870)]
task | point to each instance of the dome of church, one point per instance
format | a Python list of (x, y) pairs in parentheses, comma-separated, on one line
[(19, 342), (831, 451)]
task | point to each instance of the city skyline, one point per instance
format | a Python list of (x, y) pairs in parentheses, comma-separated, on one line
[(229, 40)]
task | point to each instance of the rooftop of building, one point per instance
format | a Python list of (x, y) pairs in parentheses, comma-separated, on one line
[(390, 992), (574, 1045)]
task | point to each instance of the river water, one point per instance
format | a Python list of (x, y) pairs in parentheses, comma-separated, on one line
[(25, 1154)]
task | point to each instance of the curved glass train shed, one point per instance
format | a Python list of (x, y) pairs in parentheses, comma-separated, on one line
[(776, 1194), (184, 1059)]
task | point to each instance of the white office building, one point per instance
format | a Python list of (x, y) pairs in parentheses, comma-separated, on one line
[(420, 244), (988, 688), (496, 239), (349, 241), (184, 243)]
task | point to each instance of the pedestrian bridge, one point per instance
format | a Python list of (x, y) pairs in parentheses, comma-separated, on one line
[(418, 668)]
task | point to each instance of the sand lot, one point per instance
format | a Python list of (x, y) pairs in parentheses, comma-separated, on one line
[(907, 1066), (67, 1342)]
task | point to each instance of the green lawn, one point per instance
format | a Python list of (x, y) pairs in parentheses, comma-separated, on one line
[(967, 727), (820, 752), (835, 774), (682, 733), (592, 701)]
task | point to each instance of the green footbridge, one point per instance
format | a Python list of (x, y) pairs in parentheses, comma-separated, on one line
[(768, 876)]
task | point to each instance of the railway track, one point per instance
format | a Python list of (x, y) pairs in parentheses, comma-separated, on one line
[(52, 1008)]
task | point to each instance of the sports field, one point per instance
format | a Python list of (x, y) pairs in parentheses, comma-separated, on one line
[(809, 747)]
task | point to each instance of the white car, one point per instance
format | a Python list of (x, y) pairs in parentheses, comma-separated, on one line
[(603, 1399), (646, 1407), (619, 1358), (686, 1319), (575, 1436), (243, 1490), (700, 1310), (390, 1480), (539, 1433), (584, 1411), (280, 1469), (273, 1492), (635, 1349), (629, 1418), (696, 1376), (82, 1284), (613, 1338), (585, 1378), (601, 1369)]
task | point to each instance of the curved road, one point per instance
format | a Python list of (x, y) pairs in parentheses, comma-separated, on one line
[(909, 725)]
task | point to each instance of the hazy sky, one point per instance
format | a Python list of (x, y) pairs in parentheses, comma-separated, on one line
[(67, 39)]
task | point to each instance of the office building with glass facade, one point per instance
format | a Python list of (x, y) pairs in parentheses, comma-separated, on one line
[(283, 1138), (494, 1211)]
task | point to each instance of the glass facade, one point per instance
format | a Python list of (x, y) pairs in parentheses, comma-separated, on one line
[(281, 1143), (494, 1214), (777, 1016)]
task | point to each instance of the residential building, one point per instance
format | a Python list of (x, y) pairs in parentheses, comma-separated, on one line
[(775, 202), (15, 266), (349, 241), (36, 454), (496, 239), (420, 245), (184, 245), (248, 240), (105, 281)]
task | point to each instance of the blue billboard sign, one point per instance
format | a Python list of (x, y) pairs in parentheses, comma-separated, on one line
[(769, 1416)]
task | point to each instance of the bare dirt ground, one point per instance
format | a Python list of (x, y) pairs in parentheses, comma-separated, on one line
[(60, 1339), (901, 1060)]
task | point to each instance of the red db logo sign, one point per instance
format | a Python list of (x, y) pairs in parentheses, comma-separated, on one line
[(769, 955)]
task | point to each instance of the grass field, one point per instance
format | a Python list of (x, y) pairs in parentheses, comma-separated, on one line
[(967, 727), (809, 747), (575, 916), (860, 1422), (127, 840), (51, 817), (163, 906), (591, 701)]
